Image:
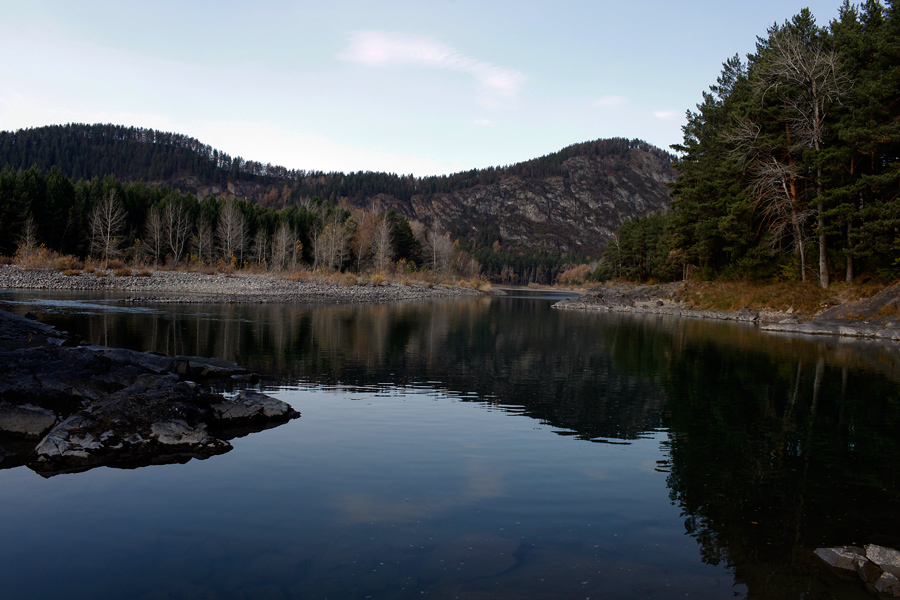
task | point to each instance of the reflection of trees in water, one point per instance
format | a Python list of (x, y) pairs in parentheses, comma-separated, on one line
[(777, 451), (777, 445), (578, 373)]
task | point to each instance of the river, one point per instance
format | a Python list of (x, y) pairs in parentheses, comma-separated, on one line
[(479, 448)]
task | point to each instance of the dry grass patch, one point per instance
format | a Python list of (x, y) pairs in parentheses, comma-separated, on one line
[(800, 298), (122, 272), (68, 263)]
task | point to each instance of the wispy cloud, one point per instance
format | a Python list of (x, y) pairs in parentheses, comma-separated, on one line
[(666, 115), (385, 49)]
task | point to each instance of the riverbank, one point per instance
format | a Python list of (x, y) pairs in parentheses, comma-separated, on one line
[(875, 317), (192, 287)]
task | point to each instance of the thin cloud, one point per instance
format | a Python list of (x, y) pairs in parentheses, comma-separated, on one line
[(666, 115), (384, 49)]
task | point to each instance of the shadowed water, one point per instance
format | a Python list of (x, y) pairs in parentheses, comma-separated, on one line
[(487, 448)]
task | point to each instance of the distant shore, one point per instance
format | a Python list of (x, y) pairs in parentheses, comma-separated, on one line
[(877, 317), (192, 287)]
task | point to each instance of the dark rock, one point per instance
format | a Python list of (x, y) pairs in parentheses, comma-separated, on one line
[(846, 559), (887, 558), (26, 420), (249, 405), (93, 406), (876, 565), (889, 584)]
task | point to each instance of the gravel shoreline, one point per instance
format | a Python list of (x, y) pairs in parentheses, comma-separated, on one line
[(196, 288)]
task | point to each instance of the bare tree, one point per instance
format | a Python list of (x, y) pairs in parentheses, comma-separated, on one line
[(282, 246), (332, 241), (439, 250), (154, 236), (178, 228), (28, 238), (260, 246), (202, 240), (810, 80), (774, 187), (382, 243), (363, 236), (232, 232), (106, 224)]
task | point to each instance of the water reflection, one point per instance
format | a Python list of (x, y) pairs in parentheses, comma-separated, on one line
[(774, 446)]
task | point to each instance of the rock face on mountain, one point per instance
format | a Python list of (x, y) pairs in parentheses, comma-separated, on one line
[(576, 211), (568, 201)]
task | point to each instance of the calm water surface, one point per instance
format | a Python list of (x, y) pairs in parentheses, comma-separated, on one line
[(489, 448)]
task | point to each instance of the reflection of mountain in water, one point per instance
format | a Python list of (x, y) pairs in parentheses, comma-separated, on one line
[(565, 369), (777, 445)]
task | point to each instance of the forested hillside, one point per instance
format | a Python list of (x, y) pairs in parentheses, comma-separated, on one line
[(524, 223), (790, 165)]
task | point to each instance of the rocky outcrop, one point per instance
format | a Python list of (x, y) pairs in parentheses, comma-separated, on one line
[(65, 409), (576, 211), (877, 566)]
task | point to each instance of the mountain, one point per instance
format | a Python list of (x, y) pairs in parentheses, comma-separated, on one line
[(565, 202)]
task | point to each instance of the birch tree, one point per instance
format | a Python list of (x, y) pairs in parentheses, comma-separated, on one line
[(178, 228), (382, 243), (232, 231), (106, 224), (202, 241), (154, 236)]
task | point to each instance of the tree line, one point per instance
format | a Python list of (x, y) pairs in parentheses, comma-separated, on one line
[(790, 166), (106, 219)]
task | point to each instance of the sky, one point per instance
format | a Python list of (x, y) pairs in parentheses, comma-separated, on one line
[(423, 87)]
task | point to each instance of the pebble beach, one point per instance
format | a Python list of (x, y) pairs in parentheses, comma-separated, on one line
[(192, 287)]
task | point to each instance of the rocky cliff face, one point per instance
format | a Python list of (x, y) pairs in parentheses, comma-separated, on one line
[(577, 211)]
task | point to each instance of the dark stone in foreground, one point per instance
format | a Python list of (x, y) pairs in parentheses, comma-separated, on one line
[(877, 566), (66, 409)]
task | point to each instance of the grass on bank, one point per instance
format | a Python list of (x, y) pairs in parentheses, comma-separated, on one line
[(806, 298)]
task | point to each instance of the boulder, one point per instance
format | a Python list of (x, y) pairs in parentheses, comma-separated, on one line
[(845, 559), (250, 405), (876, 565), (888, 584), (92, 406), (26, 420), (886, 558)]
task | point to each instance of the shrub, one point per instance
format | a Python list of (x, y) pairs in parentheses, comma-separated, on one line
[(71, 272), (122, 272), (142, 273), (68, 263)]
